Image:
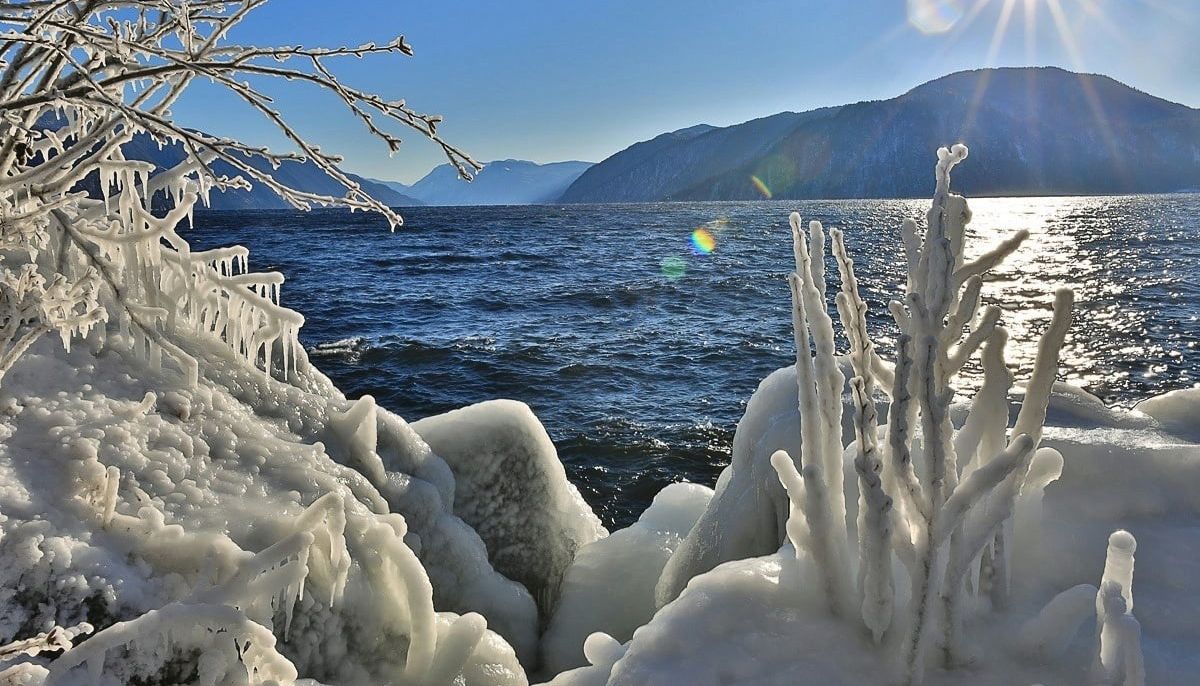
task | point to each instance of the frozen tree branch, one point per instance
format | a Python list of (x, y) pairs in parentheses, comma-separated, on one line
[(79, 80)]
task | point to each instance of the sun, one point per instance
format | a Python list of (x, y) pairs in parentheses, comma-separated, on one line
[(933, 17)]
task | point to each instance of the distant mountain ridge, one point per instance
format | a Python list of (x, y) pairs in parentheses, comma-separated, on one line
[(503, 182), (1032, 131)]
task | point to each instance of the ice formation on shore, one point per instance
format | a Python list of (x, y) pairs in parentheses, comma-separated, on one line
[(185, 499)]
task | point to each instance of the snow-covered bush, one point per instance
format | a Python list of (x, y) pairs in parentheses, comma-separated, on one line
[(937, 500), (79, 80)]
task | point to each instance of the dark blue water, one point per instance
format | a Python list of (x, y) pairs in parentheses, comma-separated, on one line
[(638, 351)]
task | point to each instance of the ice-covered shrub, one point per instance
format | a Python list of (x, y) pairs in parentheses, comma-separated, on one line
[(78, 82), (938, 501)]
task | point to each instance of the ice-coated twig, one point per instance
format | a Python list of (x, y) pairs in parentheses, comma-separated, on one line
[(874, 519), (1037, 392), (992, 258), (875, 527), (235, 649), (58, 638)]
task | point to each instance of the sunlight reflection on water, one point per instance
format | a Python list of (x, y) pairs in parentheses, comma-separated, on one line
[(1073, 243)]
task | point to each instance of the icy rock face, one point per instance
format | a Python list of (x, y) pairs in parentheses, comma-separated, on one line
[(610, 586), (512, 490), (124, 491)]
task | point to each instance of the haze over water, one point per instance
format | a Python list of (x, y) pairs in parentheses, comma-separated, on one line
[(638, 346)]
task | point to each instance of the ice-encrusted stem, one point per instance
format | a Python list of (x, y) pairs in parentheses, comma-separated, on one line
[(820, 385), (57, 638), (234, 649), (900, 420), (1032, 416), (935, 295), (875, 505), (829, 379), (793, 484), (1114, 600), (874, 520), (1030, 420)]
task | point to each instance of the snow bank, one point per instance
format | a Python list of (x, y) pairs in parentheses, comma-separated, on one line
[(1177, 412), (610, 586), (764, 620)]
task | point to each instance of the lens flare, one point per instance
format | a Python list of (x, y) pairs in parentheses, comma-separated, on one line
[(672, 268), (934, 16), (703, 242), (760, 187)]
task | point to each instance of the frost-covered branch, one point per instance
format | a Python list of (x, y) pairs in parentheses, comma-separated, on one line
[(58, 638), (79, 81)]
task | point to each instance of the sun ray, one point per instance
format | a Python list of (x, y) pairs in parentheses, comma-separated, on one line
[(981, 85), (1062, 26), (1030, 11), (1006, 12), (1096, 15)]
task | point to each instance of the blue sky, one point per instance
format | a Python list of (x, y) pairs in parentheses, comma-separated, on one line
[(551, 80)]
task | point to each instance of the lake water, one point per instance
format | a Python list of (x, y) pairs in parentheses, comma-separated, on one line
[(638, 349)]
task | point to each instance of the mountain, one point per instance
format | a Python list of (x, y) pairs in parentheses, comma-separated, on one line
[(401, 188), (504, 182), (1031, 131)]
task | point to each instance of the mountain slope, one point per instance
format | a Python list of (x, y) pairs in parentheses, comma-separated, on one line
[(504, 182), (1030, 130), (401, 188)]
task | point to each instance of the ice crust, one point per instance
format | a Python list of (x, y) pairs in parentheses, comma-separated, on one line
[(118, 499)]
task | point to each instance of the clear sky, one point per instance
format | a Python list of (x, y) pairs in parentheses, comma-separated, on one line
[(550, 80)]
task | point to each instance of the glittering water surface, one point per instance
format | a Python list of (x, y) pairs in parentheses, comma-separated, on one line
[(638, 332)]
